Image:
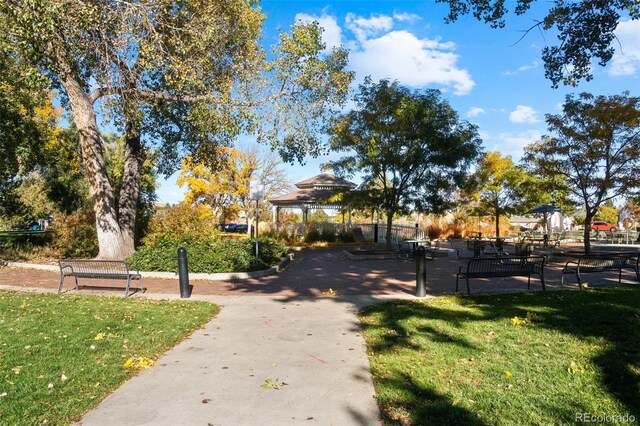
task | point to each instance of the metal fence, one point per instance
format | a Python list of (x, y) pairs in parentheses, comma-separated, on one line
[(399, 233)]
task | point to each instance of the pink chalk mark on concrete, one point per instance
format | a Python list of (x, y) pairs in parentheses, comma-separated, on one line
[(320, 360)]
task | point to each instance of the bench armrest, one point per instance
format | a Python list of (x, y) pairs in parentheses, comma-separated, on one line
[(66, 268)]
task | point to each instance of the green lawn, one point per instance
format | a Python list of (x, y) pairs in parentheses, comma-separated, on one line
[(529, 358), (60, 355)]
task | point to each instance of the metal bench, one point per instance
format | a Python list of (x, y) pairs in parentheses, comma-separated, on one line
[(501, 267), (602, 262), (100, 269), (460, 252)]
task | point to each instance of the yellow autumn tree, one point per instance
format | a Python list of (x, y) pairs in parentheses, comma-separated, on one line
[(224, 184)]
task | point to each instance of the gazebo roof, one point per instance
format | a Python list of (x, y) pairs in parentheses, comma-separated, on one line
[(314, 192), (325, 181), (303, 196)]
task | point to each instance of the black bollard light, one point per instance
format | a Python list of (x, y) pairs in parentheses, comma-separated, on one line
[(421, 272), (183, 274)]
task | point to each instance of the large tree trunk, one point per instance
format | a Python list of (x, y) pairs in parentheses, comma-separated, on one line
[(130, 191), (110, 239), (497, 225)]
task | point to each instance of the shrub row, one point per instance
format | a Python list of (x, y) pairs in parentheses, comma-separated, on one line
[(208, 256)]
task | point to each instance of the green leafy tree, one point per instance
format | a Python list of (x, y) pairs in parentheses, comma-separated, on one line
[(500, 186), (409, 146), (61, 168), (318, 216), (23, 130), (595, 149), (188, 75), (584, 29)]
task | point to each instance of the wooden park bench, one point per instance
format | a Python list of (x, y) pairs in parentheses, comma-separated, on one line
[(602, 262), (99, 269), (502, 267)]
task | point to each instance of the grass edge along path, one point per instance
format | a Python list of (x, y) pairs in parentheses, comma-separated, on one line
[(527, 358), (61, 355)]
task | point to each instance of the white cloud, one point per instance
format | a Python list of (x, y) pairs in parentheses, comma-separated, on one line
[(406, 17), (523, 68), (513, 143), (524, 114), (484, 135), (332, 34), (475, 111), (626, 59), (379, 52), (363, 28), (400, 55)]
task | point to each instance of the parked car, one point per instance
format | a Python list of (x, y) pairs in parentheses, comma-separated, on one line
[(230, 227), (242, 228), (599, 225)]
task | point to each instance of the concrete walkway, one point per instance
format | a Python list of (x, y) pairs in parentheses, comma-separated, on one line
[(310, 348)]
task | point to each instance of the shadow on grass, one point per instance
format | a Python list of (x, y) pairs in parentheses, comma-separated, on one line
[(610, 315)]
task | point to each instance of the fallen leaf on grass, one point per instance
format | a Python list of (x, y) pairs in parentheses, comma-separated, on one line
[(575, 368), (139, 362)]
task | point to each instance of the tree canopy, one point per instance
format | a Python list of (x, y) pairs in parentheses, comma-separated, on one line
[(594, 148), (501, 187), (585, 30), (410, 147), (183, 76), (26, 122)]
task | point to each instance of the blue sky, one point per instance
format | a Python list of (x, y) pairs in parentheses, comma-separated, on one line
[(491, 77)]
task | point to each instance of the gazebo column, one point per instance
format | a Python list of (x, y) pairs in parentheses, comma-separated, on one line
[(349, 216), (305, 216), (276, 217)]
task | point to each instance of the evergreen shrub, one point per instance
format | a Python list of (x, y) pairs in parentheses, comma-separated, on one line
[(207, 255)]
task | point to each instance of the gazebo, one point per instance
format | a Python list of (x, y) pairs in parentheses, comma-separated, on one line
[(312, 193)]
